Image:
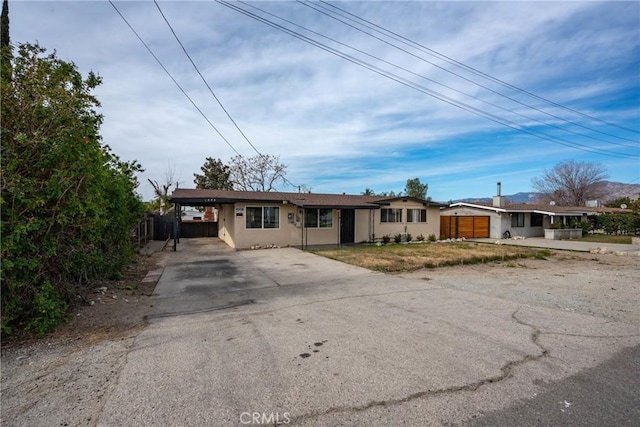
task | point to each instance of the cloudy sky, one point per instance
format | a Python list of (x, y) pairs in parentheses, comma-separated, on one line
[(387, 91)]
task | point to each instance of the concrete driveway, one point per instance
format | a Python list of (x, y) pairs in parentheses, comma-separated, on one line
[(282, 336)]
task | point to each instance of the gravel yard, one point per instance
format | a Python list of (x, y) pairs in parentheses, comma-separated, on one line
[(604, 285)]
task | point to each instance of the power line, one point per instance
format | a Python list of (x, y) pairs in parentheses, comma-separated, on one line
[(434, 81), (423, 89), (211, 90), (172, 78), (203, 79), (473, 70)]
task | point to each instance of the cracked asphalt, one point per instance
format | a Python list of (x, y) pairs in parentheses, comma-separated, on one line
[(303, 340)]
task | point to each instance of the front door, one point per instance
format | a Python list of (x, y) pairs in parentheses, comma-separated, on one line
[(347, 226)]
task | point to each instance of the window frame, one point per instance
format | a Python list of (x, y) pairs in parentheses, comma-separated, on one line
[(273, 220), (539, 219), (318, 223), (422, 216), (517, 219), (397, 215)]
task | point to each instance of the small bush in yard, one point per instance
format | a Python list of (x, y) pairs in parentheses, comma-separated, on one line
[(409, 237), (397, 238), (432, 237), (420, 237), (386, 239)]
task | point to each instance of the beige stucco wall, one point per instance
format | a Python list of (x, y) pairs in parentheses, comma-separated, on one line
[(432, 226), (323, 236), (365, 225), (232, 229), (287, 234)]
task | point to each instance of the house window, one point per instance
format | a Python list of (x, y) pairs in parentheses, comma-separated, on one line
[(263, 217), (318, 218), (536, 220), (390, 215), (517, 220), (416, 215)]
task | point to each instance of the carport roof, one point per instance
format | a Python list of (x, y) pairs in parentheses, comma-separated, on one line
[(201, 197)]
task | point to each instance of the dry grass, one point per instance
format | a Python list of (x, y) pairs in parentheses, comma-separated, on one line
[(397, 258), (607, 238)]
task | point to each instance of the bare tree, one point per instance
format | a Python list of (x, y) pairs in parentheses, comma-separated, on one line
[(571, 183), (258, 173), (162, 190)]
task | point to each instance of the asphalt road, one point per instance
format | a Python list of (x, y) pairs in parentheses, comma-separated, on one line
[(282, 336)]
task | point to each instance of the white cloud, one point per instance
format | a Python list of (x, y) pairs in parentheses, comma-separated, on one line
[(338, 126)]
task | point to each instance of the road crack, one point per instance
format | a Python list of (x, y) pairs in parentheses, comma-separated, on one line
[(505, 372)]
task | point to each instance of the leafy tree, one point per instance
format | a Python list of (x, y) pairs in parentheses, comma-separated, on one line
[(634, 205), (215, 175), (368, 192), (258, 173), (415, 188), (68, 203), (571, 183)]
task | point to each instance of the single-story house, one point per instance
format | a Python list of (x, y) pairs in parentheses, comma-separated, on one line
[(248, 218), (500, 219)]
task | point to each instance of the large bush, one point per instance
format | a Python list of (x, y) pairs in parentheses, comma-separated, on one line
[(616, 223), (68, 203)]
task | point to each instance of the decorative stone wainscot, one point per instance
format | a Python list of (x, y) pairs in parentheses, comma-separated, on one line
[(563, 233)]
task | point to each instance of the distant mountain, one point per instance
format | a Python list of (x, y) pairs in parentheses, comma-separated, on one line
[(607, 191)]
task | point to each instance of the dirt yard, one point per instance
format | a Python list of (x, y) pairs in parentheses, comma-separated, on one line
[(66, 378)]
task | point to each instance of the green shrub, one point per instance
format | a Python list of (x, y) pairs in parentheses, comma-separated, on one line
[(386, 239), (409, 237), (397, 238), (432, 237), (68, 203), (420, 237)]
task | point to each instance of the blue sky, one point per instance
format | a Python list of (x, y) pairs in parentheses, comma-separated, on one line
[(343, 128)]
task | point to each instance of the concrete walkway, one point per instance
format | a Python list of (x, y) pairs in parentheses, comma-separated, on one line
[(565, 245)]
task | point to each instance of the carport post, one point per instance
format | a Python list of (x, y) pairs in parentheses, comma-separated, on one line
[(176, 209)]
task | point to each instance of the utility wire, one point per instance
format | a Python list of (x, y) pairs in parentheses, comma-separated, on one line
[(204, 80), (434, 81), (212, 92), (172, 78), (423, 89), (476, 71), (427, 50)]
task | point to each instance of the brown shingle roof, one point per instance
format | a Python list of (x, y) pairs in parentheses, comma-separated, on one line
[(188, 196)]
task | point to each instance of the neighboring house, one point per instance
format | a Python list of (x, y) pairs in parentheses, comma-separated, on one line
[(247, 218), (500, 219)]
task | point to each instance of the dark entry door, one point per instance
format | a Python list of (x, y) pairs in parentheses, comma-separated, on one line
[(347, 226)]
